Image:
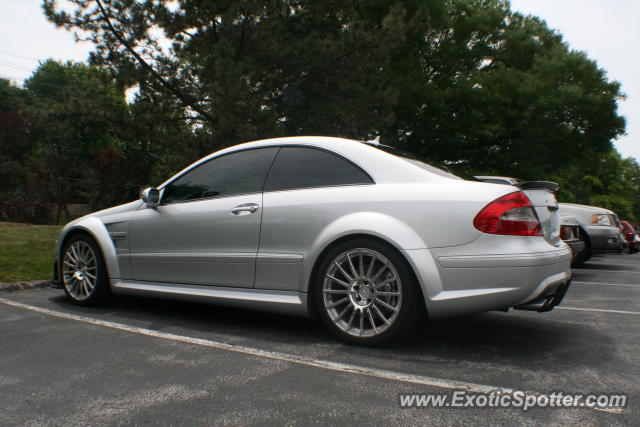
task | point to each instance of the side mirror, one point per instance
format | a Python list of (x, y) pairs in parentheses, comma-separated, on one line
[(151, 196)]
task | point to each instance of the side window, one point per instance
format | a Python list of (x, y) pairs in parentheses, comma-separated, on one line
[(236, 173), (297, 167)]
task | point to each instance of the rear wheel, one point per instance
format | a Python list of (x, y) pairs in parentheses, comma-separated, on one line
[(366, 294), (83, 274)]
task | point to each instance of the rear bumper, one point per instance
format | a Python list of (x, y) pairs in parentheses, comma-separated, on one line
[(467, 284)]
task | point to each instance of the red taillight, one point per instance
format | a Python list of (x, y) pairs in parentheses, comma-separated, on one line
[(512, 214)]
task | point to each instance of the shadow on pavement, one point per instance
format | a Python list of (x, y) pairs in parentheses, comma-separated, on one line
[(523, 340)]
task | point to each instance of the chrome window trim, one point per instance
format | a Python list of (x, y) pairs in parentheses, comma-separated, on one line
[(208, 198)]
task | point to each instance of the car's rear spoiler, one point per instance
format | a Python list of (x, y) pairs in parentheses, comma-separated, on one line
[(538, 185)]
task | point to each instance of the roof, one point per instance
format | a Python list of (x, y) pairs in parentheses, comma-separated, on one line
[(383, 167)]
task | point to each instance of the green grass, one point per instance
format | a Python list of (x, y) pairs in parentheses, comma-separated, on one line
[(26, 251)]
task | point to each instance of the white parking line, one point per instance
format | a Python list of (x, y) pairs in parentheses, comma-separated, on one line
[(300, 360), (598, 310), (635, 263), (620, 259), (604, 284), (607, 265), (251, 351), (593, 270)]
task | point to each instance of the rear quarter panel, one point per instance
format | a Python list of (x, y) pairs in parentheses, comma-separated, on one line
[(408, 216)]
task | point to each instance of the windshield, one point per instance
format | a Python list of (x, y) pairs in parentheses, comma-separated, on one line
[(416, 160), (616, 220)]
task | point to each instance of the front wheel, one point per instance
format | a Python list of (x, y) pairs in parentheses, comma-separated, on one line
[(366, 294), (83, 274)]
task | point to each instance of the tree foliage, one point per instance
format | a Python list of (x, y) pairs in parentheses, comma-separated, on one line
[(499, 93), (75, 113), (610, 181), (63, 126), (468, 83), (14, 149), (258, 68)]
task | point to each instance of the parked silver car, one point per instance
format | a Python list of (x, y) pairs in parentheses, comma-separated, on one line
[(356, 233), (600, 229)]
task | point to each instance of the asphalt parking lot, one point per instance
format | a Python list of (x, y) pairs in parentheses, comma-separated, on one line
[(139, 361)]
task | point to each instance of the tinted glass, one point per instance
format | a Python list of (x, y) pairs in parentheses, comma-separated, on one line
[(237, 173), (306, 167), (419, 161)]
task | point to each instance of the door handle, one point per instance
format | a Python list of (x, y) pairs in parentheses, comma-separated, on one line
[(246, 209)]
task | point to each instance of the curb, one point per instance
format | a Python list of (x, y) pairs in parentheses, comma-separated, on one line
[(24, 286)]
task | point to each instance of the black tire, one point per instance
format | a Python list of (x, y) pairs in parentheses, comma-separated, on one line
[(411, 306), (73, 288), (584, 255)]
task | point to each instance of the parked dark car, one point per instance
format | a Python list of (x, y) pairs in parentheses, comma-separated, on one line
[(570, 233)]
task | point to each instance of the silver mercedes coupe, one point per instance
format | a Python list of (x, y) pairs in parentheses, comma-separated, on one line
[(367, 238)]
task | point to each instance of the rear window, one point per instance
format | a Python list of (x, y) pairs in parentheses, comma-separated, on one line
[(302, 167), (416, 160)]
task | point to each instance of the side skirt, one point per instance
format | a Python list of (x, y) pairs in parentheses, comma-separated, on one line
[(281, 302)]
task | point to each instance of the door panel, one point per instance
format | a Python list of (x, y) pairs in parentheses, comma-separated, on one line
[(320, 189), (197, 242)]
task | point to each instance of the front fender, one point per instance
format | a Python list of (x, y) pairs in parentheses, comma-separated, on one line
[(96, 229)]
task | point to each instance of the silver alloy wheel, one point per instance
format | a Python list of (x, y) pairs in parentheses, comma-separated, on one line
[(362, 292), (80, 270)]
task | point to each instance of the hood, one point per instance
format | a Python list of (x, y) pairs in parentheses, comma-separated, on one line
[(127, 207), (594, 209)]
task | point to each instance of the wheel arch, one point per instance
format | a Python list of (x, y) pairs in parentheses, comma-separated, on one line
[(95, 229), (310, 282), (587, 238)]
